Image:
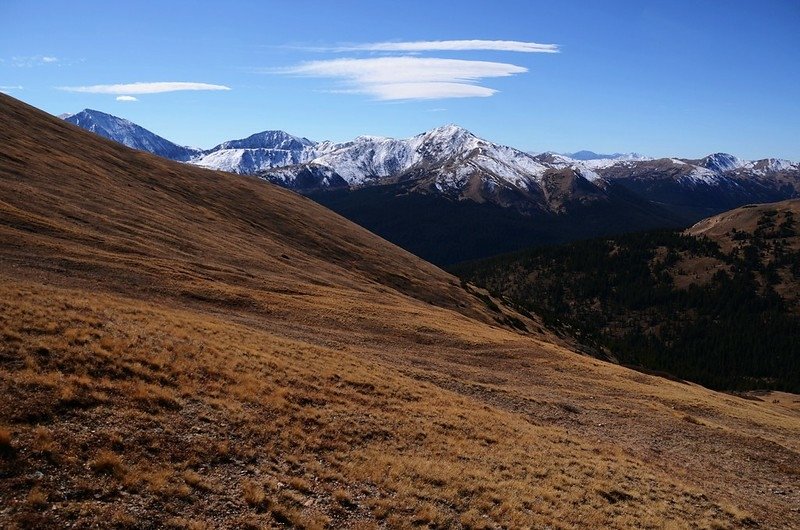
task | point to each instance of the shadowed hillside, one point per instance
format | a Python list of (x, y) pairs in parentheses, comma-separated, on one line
[(717, 305), (191, 349)]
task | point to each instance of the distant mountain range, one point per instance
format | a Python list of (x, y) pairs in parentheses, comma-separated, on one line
[(448, 195), (591, 155)]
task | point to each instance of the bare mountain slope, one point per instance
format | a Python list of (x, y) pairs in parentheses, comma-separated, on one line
[(721, 228), (192, 349)]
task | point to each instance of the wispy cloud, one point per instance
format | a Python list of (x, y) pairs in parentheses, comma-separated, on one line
[(32, 60), (398, 78), (143, 88), (448, 45), (7, 89), (126, 98)]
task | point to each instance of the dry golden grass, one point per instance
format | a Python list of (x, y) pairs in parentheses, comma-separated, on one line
[(108, 463), (5, 440), (165, 366), (320, 434), (745, 219)]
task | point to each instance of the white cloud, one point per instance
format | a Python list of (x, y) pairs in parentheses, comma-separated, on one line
[(126, 98), (450, 45), (49, 59), (143, 88), (393, 78)]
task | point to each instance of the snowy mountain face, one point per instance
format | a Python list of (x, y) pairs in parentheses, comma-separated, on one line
[(448, 160), (259, 152), (129, 134), (373, 158)]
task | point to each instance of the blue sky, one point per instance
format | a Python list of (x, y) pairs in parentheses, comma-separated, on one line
[(683, 78)]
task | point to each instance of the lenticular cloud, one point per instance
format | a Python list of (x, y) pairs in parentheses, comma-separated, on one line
[(397, 78), (143, 88), (453, 45)]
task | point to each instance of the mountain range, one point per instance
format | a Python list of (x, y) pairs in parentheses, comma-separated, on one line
[(428, 189)]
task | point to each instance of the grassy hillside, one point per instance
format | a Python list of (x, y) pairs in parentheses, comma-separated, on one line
[(189, 349), (721, 311)]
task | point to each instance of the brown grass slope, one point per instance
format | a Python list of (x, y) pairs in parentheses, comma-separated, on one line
[(744, 219), (772, 229), (193, 349)]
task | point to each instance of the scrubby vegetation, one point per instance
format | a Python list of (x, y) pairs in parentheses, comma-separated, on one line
[(671, 302)]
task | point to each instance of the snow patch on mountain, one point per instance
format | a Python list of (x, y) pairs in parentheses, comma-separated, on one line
[(701, 175)]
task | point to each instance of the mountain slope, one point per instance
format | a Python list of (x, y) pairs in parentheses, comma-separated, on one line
[(767, 237), (695, 189), (447, 231), (190, 348), (720, 311), (129, 134)]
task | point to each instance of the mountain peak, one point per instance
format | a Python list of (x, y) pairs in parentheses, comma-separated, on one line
[(269, 139), (451, 130), (447, 139), (96, 115), (129, 134), (721, 162)]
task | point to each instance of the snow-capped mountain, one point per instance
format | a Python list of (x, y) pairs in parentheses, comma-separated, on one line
[(246, 156), (128, 133), (695, 189), (268, 140), (721, 162), (450, 154), (258, 152), (451, 161), (448, 195), (454, 162)]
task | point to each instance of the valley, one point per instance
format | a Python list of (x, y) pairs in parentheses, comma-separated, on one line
[(188, 348)]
